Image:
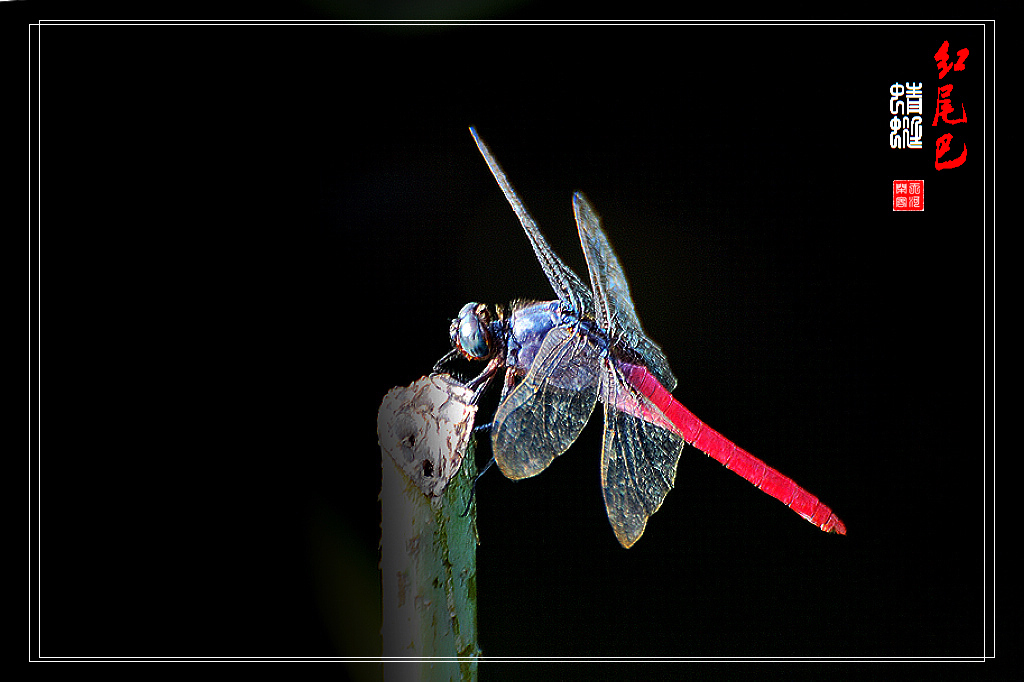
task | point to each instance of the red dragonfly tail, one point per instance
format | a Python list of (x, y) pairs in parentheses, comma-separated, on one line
[(735, 459), (768, 480)]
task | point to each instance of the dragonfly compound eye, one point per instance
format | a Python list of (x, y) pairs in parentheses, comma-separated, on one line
[(469, 334)]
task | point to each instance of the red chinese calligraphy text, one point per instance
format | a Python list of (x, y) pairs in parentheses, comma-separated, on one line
[(943, 107), (941, 147), (942, 56)]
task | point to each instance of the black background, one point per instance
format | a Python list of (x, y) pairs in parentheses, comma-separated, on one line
[(248, 234)]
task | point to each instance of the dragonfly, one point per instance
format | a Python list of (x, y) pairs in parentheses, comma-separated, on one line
[(561, 357)]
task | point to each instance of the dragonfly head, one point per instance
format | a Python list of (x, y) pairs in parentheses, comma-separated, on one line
[(470, 331)]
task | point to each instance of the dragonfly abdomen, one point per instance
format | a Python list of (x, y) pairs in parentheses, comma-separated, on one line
[(694, 431)]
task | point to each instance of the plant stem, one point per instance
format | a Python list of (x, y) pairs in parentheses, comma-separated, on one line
[(428, 548)]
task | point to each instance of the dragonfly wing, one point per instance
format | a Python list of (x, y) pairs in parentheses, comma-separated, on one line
[(613, 303), (566, 283), (638, 465), (542, 416)]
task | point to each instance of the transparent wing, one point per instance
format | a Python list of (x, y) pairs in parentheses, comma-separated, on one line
[(569, 287), (542, 416), (639, 459), (613, 304)]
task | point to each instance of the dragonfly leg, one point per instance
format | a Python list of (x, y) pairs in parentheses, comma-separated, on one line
[(472, 490), (479, 384), (448, 357)]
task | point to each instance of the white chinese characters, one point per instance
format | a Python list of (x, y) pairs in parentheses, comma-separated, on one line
[(906, 129)]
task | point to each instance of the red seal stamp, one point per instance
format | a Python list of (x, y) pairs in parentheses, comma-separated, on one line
[(908, 195)]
